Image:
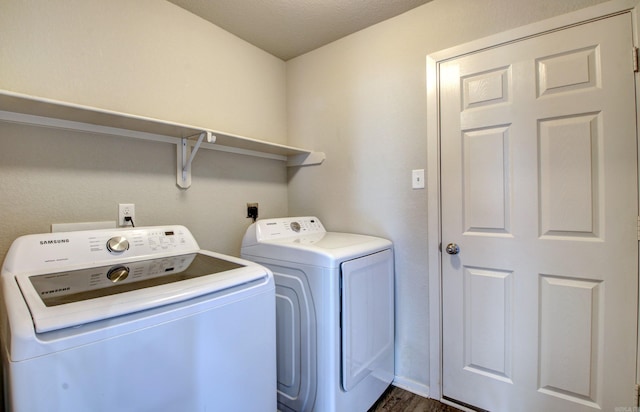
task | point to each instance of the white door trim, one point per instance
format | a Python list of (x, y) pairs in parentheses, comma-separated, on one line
[(433, 146)]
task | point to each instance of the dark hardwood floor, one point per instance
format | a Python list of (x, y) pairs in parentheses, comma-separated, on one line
[(399, 400)]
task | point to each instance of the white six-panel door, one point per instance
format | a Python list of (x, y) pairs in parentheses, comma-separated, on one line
[(539, 191)]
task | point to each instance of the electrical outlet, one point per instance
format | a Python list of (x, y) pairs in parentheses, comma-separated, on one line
[(252, 211), (126, 210)]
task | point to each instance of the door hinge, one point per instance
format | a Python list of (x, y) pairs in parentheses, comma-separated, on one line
[(638, 227), (635, 60), (637, 395)]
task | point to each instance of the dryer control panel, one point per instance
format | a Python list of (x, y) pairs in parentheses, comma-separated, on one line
[(280, 228)]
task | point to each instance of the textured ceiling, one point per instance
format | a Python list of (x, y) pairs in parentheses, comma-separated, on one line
[(289, 28)]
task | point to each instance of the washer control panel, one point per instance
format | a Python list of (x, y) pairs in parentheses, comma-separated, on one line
[(50, 250), (280, 228), (139, 241)]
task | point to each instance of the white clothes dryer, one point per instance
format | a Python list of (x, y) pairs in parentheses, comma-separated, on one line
[(334, 313)]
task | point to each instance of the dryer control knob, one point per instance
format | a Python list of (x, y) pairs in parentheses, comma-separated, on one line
[(117, 244), (295, 226)]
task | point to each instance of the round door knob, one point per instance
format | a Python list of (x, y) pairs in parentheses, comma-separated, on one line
[(118, 273), (117, 244), (452, 249)]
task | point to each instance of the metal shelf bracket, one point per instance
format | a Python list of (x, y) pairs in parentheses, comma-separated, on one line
[(185, 155)]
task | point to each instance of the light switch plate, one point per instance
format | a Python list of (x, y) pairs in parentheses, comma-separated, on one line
[(417, 178)]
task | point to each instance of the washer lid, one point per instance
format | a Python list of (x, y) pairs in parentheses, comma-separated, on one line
[(70, 298)]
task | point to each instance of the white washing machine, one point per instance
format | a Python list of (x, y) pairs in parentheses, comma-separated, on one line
[(135, 320), (334, 311)]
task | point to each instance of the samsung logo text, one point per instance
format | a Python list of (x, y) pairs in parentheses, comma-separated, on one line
[(53, 242)]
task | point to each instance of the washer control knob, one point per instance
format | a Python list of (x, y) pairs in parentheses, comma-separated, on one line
[(118, 273), (117, 244), (295, 226)]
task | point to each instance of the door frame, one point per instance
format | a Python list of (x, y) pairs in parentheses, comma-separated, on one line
[(434, 60)]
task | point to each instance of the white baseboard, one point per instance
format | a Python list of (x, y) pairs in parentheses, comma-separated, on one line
[(411, 386)]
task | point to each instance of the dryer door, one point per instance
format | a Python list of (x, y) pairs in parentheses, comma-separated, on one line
[(367, 318)]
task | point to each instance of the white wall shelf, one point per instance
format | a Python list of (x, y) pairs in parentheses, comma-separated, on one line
[(25, 109)]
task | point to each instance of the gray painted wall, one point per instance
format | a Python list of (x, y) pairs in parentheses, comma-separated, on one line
[(148, 58)]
